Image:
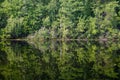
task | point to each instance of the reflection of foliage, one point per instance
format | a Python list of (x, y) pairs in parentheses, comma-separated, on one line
[(55, 60)]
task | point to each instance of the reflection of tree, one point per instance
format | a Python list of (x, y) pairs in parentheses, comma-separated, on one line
[(21, 65), (85, 60), (57, 60)]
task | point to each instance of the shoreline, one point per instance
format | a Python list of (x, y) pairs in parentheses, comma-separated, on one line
[(103, 39)]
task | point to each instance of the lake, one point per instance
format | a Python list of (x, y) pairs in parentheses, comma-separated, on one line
[(59, 60)]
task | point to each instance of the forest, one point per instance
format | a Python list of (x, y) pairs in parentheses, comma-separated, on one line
[(59, 39), (59, 19)]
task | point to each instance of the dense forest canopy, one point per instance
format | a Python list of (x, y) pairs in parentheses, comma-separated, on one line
[(72, 19)]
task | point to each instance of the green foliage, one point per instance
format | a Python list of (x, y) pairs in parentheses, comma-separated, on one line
[(3, 20), (61, 18)]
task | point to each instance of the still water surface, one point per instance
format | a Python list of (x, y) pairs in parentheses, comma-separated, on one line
[(57, 60)]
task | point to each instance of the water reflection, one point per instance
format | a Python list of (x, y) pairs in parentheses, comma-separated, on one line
[(56, 60)]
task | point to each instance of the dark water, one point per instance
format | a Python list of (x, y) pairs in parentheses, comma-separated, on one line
[(55, 60)]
